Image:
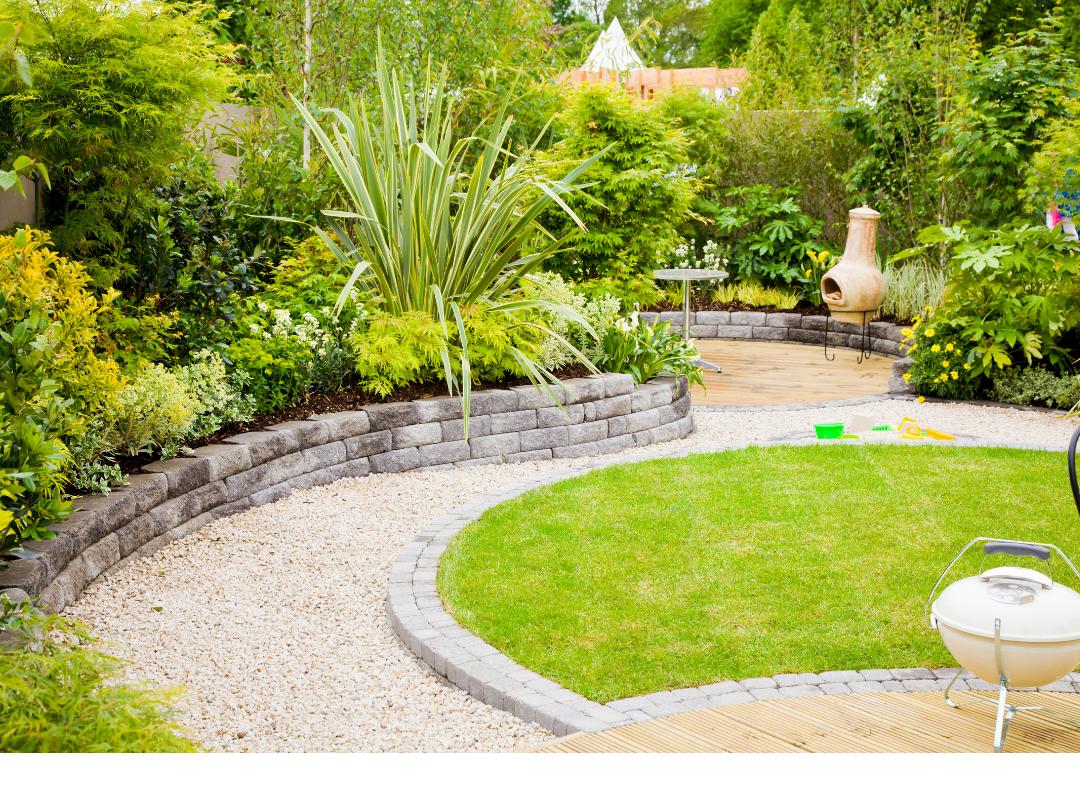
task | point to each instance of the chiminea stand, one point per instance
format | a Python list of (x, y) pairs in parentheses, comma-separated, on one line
[(866, 346)]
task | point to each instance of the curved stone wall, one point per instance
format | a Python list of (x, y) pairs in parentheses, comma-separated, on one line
[(169, 499)]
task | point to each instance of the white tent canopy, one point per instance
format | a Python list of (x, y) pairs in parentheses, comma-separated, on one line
[(612, 52)]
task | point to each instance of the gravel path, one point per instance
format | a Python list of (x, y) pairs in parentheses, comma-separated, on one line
[(274, 619)]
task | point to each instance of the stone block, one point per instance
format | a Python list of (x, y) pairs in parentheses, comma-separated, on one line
[(265, 475), (148, 489), (183, 474), (265, 445), (835, 688), (26, 575), (802, 690), (389, 415), (501, 445), (531, 398), (101, 556), (618, 425), (357, 468), (444, 453), (407, 458), (617, 384), (113, 510), (841, 676), (876, 674), (713, 318), (416, 435), (583, 389), (810, 336), (610, 445), (324, 455), (453, 430), (887, 347), (367, 444), (271, 494), (747, 319), (784, 319), (924, 685), (800, 679), (722, 688), (231, 508), (136, 534), (586, 432), (315, 478), (649, 396), (866, 686), (438, 409), (73, 535), (642, 420), (543, 438), (65, 588), (758, 683), (308, 432), (912, 673), (769, 332), (225, 459), (703, 330), (513, 421), (183, 508), (556, 417), (529, 455), (618, 405), (343, 425), (735, 332), (815, 323), (496, 400)]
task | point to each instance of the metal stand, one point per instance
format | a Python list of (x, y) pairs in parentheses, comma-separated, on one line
[(687, 275), (866, 346)]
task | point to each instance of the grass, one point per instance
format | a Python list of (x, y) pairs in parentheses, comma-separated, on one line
[(673, 573)]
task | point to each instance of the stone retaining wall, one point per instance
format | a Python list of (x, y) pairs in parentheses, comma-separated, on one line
[(169, 499), (885, 337)]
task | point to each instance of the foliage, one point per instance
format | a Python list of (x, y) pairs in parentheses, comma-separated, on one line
[(12, 32), (784, 61), (309, 280), (58, 693), (1004, 104), (821, 262), (32, 414), (396, 351), (154, 412), (735, 597), (33, 276), (640, 190), (599, 312), (1036, 386), (729, 27), (631, 291), (1054, 172), (769, 236), (1011, 292), (644, 350), (439, 224), (756, 295), (939, 365), (217, 396), (116, 89), (665, 33), (912, 287)]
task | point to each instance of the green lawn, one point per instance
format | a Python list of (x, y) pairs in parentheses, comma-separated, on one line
[(674, 573)]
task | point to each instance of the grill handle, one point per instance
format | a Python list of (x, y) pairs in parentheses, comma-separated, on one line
[(1072, 468), (1015, 548)]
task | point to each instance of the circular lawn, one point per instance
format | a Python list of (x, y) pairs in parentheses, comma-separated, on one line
[(682, 572)]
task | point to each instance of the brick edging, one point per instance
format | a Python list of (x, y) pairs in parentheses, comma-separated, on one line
[(425, 627), (600, 414)]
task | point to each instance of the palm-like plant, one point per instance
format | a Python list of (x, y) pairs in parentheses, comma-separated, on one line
[(438, 223)]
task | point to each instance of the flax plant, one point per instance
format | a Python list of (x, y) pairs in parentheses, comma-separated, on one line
[(438, 223)]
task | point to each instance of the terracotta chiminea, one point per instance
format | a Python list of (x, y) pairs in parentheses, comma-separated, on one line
[(855, 288)]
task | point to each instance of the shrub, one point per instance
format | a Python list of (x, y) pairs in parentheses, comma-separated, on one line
[(218, 398), (1036, 386), (277, 370), (645, 350), (912, 287), (58, 693), (640, 190), (755, 295), (32, 457), (396, 351), (769, 236), (938, 367), (1012, 292), (154, 412), (599, 312)]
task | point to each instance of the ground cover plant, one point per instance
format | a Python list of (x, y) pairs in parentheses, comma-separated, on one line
[(673, 573)]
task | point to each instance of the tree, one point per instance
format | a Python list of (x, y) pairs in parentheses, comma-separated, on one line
[(784, 61), (666, 33), (728, 27)]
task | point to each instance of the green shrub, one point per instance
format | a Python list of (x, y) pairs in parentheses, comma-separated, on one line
[(1036, 386), (153, 413), (32, 458), (218, 398), (277, 370), (395, 351), (912, 287), (644, 350), (59, 694), (755, 295), (1012, 293), (600, 313), (768, 236), (939, 367), (639, 194)]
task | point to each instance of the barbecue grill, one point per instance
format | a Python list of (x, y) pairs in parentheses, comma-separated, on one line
[(1011, 625)]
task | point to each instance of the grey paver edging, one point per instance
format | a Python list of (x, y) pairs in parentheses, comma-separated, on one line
[(599, 414), (424, 626)]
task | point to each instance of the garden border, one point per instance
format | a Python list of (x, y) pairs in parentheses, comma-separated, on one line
[(425, 627), (598, 414), (791, 327)]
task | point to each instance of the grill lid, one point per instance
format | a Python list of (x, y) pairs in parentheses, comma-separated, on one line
[(1030, 607)]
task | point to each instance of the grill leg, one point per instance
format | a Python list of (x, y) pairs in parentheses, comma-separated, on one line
[(948, 700), (1004, 715)]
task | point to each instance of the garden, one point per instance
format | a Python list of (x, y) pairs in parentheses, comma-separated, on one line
[(281, 270)]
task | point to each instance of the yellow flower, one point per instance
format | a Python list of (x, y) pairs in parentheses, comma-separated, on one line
[(930, 332), (921, 400), (967, 366), (907, 377), (809, 273), (914, 346), (906, 332), (957, 352), (824, 255), (944, 363), (935, 348), (949, 347), (955, 376)]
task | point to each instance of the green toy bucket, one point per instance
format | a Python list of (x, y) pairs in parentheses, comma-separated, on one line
[(829, 430)]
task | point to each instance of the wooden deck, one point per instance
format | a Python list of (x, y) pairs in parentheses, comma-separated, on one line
[(764, 373), (882, 722)]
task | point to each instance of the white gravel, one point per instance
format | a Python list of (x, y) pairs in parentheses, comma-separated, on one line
[(274, 622)]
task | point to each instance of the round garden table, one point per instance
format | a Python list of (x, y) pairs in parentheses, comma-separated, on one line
[(687, 275)]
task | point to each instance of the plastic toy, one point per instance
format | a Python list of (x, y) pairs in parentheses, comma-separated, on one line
[(910, 429), (829, 430)]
